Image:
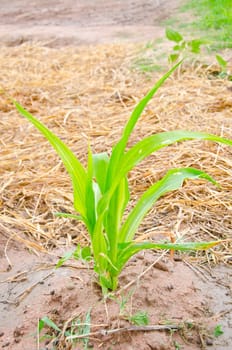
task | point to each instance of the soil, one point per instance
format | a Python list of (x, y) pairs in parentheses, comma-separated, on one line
[(172, 292), (59, 23)]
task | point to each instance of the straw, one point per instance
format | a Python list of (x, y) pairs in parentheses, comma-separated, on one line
[(85, 95)]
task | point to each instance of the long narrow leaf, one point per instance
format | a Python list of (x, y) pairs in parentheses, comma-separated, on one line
[(130, 249), (100, 245), (49, 323), (171, 181), (155, 142), (90, 195), (114, 215), (100, 168), (119, 149), (72, 164), (148, 145)]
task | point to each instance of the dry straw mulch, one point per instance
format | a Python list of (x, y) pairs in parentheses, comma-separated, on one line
[(85, 95)]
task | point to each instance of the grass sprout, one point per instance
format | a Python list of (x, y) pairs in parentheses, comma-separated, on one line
[(218, 331), (78, 328), (140, 318)]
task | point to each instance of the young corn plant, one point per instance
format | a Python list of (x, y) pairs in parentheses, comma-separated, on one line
[(101, 191)]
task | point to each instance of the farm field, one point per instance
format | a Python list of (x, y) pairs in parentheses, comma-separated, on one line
[(81, 68)]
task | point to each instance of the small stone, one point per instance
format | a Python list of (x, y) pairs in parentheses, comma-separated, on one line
[(70, 286), (6, 344), (169, 287), (209, 342)]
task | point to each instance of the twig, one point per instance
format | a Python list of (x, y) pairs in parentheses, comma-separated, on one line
[(25, 292), (142, 274), (221, 314), (140, 329), (5, 252), (105, 332), (5, 301), (15, 277), (22, 295), (196, 271)]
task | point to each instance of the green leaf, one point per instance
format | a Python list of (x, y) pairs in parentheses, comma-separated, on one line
[(100, 244), (46, 321), (72, 164), (195, 45), (218, 331), (64, 258), (173, 57), (131, 248), (171, 181), (100, 167), (114, 216), (90, 196), (86, 329), (86, 253), (221, 62), (119, 149), (140, 318), (173, 35), (82, 253), (155, 142), (176, 48), (40, 326)]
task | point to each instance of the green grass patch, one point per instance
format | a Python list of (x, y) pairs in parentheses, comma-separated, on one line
[(214, 19)]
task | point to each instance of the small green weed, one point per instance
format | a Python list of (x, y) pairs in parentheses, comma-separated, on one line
[(123, 302), (101, 192), (79, 253), (224, 73), (77, 328), (218, 331), (146, 64), (177, 345), (140, 318), (182, 47)]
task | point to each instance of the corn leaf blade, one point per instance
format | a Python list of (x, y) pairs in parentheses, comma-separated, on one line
[(149, 145), (114, 215), (90, 196), (71, 163), (100, 167), (130, 249), (155, 142), (171, 181), (119, 149)]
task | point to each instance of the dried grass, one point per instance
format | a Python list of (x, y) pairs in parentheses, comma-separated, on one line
[(85, 95)]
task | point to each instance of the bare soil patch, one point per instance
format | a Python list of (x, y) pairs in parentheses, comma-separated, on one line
[(171, 293), (59, 23)]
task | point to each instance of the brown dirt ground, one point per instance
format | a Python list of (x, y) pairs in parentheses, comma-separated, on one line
[(59, 23), (170, 292), (68, 88)]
